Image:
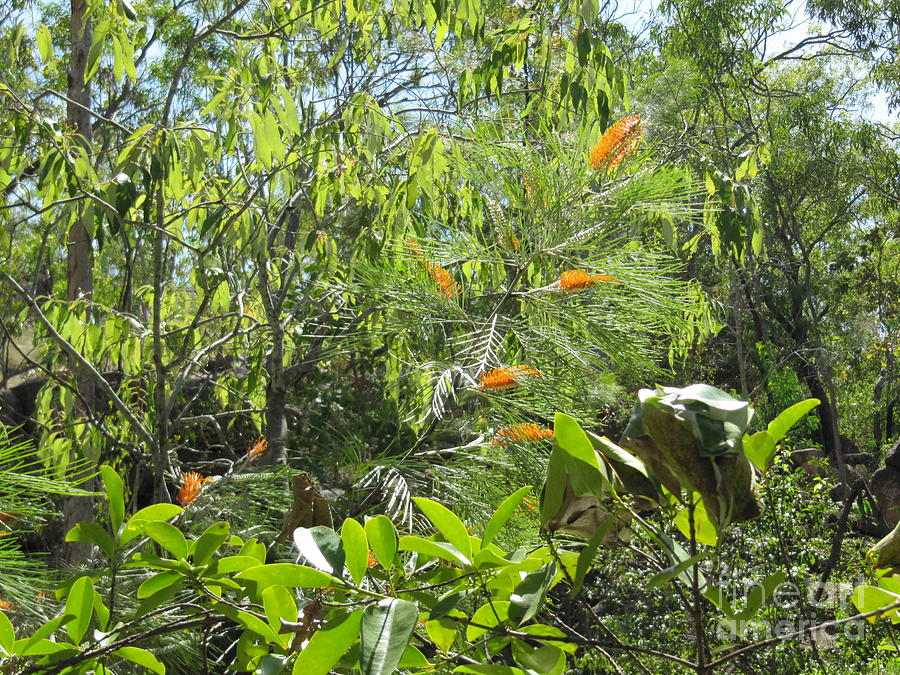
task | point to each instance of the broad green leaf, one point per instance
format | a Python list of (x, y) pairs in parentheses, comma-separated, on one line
[(156, 583), (586, 555), (383, 539), (142, 658), (442, 632), (7, 634), (543, 659), (492, 613), (384, 634), (438, 549), (489, 669), (80, 604), (44, 43), (554, 486), (571, 438), (251, 622), (279, 604), (870, 598), (704, 529), (759, 449), (528, 597), (234, 563), (550, 632), (328, 645), (152, 513), (413, 658), (503, 513), (787, 418), (356, 549), (322, 548), (91, 533), (288, 574), (209, 542), (115, 496), (447, 523), (673, 571), (168, 536)]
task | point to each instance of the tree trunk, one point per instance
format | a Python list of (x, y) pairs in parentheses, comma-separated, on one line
[(78, 248)]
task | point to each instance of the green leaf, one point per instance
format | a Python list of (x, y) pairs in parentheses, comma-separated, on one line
[(586, 555), (383, 539), (673, 571), (252, 623), (328, 645), (871, 598), (7, 634), (503, 513), (704, 529), (90, 532), (156, 583), (152, 513), (779, 427), (442, 632), (44, 43), (528, 597), (447, 523), (760, 449), (571, 438), (168, 536), (413, 658), (80, 604), (322, 548), (356, 549), (384, 633), (438, 549), (554, 486), (490, 614), (209, 542), (288, 574), (142, 658), (115, 496), (489, 669), (279, 604)]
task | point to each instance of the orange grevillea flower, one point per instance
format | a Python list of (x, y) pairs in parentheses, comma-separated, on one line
[(414, 247), (4, 604), (258, 448), (575, 281), (445, 282), (530, 503), (372, 561), (522, 432), (499, 379), (191, 486), (619, 141)]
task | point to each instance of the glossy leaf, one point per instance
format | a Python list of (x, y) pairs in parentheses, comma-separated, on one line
[(447, 523), (209, 542), (356, 549), (529, 595), (503, 513), (383, 540), (152, 513), (438, 549), (142, 658), (328, 645), (384, 634), (321, 547), (91, 533), (288, 574), (168, 536), (115, 496), (7, 634), (279, 604), (80, 604)]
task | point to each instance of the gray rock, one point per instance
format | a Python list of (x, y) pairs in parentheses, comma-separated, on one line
[(893, 456), (863, 458), (885, 487)]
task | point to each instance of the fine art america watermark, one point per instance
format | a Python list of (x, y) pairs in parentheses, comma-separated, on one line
[(793, 603)]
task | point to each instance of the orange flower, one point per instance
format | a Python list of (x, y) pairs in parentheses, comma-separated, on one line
[(372, 561), (499, 379), (522, 432), (191, 485), (530, 503), (575, 281), (620, 140), (4, 604), (414, 247), (258, 448), (448, 286)]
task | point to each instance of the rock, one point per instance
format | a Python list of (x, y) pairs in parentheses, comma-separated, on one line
[(863, 458), (893, 456), (848, 445), (811, 460), (885, 487)]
